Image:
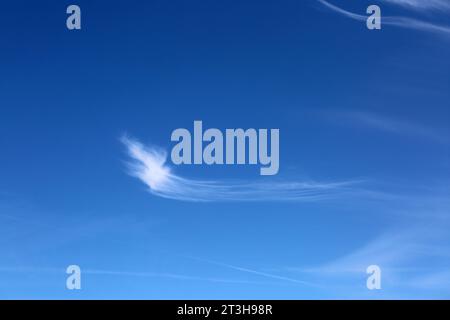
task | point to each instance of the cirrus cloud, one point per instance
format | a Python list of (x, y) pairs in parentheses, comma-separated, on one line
[(400, 21), (148, 164)]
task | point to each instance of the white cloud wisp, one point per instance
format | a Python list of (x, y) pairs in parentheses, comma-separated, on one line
[(441, 5), (403, 22), (149, 165)]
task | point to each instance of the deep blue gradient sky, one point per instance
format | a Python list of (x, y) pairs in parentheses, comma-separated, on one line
[(351, 105)]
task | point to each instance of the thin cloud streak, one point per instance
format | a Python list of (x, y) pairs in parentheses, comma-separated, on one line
[(443, 5), (403, 22), (390, 125), (255, 272), (170, 276), (402, 255), (149, 165), (101, 272)]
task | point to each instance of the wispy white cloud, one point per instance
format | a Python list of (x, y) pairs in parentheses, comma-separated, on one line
[(409, 257), (391, 250), (403, 22), (149, 165), (443, 5)]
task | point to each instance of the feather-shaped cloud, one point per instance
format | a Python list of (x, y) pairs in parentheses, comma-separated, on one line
[(149, 165)]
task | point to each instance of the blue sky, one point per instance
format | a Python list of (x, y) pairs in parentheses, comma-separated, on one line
[(370, 108)]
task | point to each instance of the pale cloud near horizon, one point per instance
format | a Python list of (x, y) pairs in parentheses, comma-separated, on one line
[(409, 257), (149, 165), (400, 21), (413, 254)]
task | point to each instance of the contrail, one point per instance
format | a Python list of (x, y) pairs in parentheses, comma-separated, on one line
[(135, 274), (255, 272), (149, 165)]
